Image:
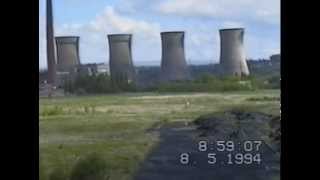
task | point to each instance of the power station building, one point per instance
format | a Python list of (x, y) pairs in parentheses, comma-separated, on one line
[(67, 52), (275, 58), (232, 53), (120, 58), (173, 61)]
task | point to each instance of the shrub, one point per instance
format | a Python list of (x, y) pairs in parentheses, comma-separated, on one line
[(206, 83), (96, 84), (91, 167), (209, 83)]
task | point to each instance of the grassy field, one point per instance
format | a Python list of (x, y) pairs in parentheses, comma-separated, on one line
[(115, 125)]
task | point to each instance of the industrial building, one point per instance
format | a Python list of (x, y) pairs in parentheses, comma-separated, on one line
[(63, 59), (120, 60), (173, 61), (275, 58), (67, 53), (232, 52), (103, 69), (92, 69)]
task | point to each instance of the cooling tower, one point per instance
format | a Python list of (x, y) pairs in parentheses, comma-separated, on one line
[(120, 58), (275, 58), (51, 53), (173, 63), (67, 52), (232, 55)]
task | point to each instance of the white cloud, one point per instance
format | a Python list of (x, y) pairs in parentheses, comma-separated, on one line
[(111, 21), (93, 35), (202, 40), (232, 24), (265, 11)]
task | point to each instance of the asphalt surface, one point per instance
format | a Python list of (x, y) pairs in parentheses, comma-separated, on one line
[(163, 163)]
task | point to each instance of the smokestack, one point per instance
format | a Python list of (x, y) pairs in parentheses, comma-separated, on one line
[(232, 55), (120, 58), (67, 52), (173, 63), (51, 56)]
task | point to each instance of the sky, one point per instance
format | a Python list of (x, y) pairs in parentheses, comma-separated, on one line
[(201, 20)]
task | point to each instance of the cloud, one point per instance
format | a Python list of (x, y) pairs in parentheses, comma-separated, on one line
[(267, 11), (111, 21), (202, 40), (232, 24), (93, 35)]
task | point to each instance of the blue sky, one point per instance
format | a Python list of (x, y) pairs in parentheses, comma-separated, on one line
[(145, 19)]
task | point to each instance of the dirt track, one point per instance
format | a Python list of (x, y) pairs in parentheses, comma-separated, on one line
[(164, 163)]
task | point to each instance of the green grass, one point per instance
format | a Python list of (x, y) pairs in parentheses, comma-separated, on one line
[(114, 126)]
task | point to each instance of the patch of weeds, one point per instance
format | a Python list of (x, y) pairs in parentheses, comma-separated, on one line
[(86, 109), (158, 124), (89, 109), (93, 109), (110, 111), (56, 110), (92, 167), (164, 120)]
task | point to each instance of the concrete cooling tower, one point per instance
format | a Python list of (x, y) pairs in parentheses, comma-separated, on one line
[(120, 60), (51, 53), (232, 55), (275, 58), (67, 52), (173, 63)]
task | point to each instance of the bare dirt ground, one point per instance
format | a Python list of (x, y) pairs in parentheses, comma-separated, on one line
[(175, 138)]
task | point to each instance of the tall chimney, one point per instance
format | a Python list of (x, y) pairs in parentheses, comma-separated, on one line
[(232, 53), (51, 56), (173, 63), (120, 60)]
